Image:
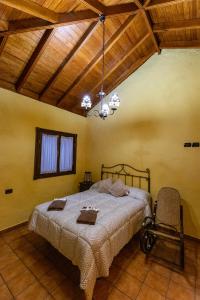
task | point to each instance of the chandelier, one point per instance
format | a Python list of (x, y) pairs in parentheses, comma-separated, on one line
[(114, 101)]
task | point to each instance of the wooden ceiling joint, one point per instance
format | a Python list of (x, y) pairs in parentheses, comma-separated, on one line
[(33, 9), (95, 6), (43, 43), (180, 44), (3, 25), (90, 30), (149, 26), (3, 41), (177, 25), (116, 36)]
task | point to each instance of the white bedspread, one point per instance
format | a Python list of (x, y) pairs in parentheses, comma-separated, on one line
[(91, 247)]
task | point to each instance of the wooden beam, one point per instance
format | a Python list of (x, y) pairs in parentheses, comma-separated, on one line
[(138, 3), (3, 41), (180, 44), (177, 25), (121, 61), (136, 65), (44, 41), (146, 3), (27, 25), (3, 25), (33, 9), (97, 58), (94, 5), (149, 26), (163, 3), (70, 56)]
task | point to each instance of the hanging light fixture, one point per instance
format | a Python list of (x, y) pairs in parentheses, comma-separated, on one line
[(114, 101)]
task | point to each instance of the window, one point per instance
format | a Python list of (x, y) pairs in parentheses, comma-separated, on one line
[(55, 153)]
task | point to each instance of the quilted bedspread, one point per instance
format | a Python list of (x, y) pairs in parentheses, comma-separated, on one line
[(91, 247)]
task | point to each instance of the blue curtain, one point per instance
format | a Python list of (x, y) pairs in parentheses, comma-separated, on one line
[(66, 154), (49, 154)]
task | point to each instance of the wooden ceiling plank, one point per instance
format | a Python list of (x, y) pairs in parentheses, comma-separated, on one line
[(3, 41), (43, 43), (27, 25), (138, 3), (146, 3), (70, 56), (149, 26), (177, 25), (116, 36), (121, 61), (32, 8), (162, 3), (3, 25), (180, 44), (94, 5)]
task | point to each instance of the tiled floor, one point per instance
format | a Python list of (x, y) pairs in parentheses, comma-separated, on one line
[(31, 269)]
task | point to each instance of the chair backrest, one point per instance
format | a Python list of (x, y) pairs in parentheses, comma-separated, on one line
[(168, 207)]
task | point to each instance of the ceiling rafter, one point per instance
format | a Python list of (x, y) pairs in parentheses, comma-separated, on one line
[(3, 25), (150, 30), (180, 44), (116, 36), (3, 41), (177, 25), (87, 34), (43, 43), (27, 25), (121, 61), (94, 5), (32, 8)]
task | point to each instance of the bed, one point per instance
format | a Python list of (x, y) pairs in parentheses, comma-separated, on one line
[(93, 247)]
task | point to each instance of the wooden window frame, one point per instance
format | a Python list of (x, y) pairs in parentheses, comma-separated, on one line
[(37, 160)]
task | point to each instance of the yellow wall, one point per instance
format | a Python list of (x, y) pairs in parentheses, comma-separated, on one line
[(160, 110), (19, 116)]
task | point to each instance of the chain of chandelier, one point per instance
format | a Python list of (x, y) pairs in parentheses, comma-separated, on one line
[(106, 109)]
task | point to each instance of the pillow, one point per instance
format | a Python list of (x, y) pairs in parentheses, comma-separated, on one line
[(118, 189), (138, 193), (102, 186)]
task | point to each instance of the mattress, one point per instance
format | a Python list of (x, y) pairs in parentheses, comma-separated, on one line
[(91, 247)]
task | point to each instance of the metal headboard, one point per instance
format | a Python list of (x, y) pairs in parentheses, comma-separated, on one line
[(131, 175)]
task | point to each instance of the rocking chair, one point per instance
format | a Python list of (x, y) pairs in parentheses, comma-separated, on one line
[(166, 223)]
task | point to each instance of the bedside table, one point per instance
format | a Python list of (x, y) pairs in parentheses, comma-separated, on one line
[(85, 185)]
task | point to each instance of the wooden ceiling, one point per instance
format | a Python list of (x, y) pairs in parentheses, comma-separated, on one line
[(50, 50)]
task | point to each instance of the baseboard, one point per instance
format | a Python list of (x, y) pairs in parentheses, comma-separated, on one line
[(14, 227), (192, 238)]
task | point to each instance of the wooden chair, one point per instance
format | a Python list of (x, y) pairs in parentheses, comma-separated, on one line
[(166, 222)]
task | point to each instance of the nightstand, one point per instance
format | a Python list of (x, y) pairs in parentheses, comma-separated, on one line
[(85, 185)]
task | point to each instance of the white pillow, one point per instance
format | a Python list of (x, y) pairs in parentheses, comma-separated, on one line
[(138, 193), (118, 189), (102, 186)]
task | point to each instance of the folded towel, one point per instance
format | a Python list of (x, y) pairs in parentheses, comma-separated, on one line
[(87, 217), (57, 205)]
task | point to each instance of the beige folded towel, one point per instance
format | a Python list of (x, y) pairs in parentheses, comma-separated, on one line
[(87, 217), (57, 205)]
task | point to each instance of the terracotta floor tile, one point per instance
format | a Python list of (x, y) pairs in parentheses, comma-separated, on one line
[(128, 285), (20, 242), (1, 281), (197, 294), (33, 292), (114, 273), (24, 250), (178, 292), (137, 270), (161, 269), (52, 279), (66, 291), (5, 293), (121, 261), (1, 242), (115, 294), (41, 267), (32, 257), (12, 270), (21, 282), (101, 289), (183, 279), (157, 282), (7, 259), (147, 293)]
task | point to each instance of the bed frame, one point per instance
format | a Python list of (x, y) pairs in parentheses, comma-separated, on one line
[(130, 175)]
